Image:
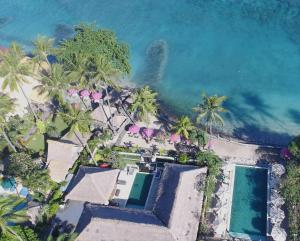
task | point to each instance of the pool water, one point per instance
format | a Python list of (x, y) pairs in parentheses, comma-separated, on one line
[(249, 204), (247, 50), (139, 190), (8, 183)]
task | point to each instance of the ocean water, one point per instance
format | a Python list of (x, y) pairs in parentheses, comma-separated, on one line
[(247, 50)]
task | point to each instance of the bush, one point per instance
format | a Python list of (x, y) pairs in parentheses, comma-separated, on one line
[(26, 233), (294, 148), (183, 158)]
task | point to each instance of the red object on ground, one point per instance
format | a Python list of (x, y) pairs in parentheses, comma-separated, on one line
[(104, 165)]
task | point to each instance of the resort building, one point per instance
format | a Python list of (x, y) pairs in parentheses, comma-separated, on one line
[(172, 215), (93, 184), (63, 153)]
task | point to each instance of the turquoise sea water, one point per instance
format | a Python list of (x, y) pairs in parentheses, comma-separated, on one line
[(247, 50), (249, 204)]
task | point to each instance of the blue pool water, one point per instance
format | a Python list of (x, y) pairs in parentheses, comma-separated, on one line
[(249, 203), (247, 50)]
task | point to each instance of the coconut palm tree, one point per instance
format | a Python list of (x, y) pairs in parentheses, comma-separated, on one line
[(43, 46), (79, 122), (7, 105), (14, 70), (55, 83), (9, 213), (78, 70), (144, 104), (183, 127), (209, 111)]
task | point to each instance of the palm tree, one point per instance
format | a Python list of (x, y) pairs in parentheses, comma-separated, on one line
[(7, 105), (144, 104), (43, 47), (55, 83), (183, 127), (79, 122), (14, 70), (102, 75), (78, 70), (208, 111), (9, 213)]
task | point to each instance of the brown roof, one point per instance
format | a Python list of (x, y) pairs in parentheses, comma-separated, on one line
[(60, 158), (175, 216), (93, 184)]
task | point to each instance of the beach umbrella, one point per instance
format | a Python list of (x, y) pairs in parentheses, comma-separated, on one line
[(134, 129), (72, 91), (96, 96), (84, 93), (148, 132), (285, 153), (273, 182), (278, 234), (278, 169), (175, 138), (276, 215)]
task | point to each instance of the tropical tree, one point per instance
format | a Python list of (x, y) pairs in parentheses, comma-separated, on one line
[(184, 127), (199, 136), (14, 70), (144, 104), (79, 122), (9, 213), (208, 111), (55, 83), (43, 46), (78, 69), (7, 105)]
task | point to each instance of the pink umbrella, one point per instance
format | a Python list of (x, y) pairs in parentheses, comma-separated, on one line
[(84, 93), (72, 91), (175, 138), (148, 132), (285, 153), (96, 96), (134, 129)]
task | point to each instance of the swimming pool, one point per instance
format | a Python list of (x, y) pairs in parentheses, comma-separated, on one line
[(249, 203), (139, 190)]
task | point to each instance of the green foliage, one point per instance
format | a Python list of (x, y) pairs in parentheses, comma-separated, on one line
[(43, 46), (208, 110), (200, 137), (183, 158), (294, 148), (144, 104), (26, 233), (20, 165), (291, 192), (90, 43), (9, 213), (184, 127)]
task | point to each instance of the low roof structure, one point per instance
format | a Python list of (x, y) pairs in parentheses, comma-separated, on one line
[(103, 113), (175, 216), (93, 184), (60, 158)]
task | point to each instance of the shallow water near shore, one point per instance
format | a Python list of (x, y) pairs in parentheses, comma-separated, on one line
[(247, 50)]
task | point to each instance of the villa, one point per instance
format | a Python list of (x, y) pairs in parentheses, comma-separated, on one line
[(167, 209)]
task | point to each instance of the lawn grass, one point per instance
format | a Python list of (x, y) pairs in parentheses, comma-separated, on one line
[(59, 124), (36, 142)]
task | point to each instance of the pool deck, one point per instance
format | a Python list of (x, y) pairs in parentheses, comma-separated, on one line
[(128, 179)]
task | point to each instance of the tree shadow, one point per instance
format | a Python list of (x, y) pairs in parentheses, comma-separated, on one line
[(253, 133), (258, 104), (294, 115), (62, 32)]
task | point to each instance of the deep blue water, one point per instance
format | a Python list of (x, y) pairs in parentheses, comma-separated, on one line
[(247, 50)]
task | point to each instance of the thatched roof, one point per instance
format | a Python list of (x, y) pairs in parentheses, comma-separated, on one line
[(179, 200), (116, 224), (93, 184), (175, 216), (102, 113), (60, 158)]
